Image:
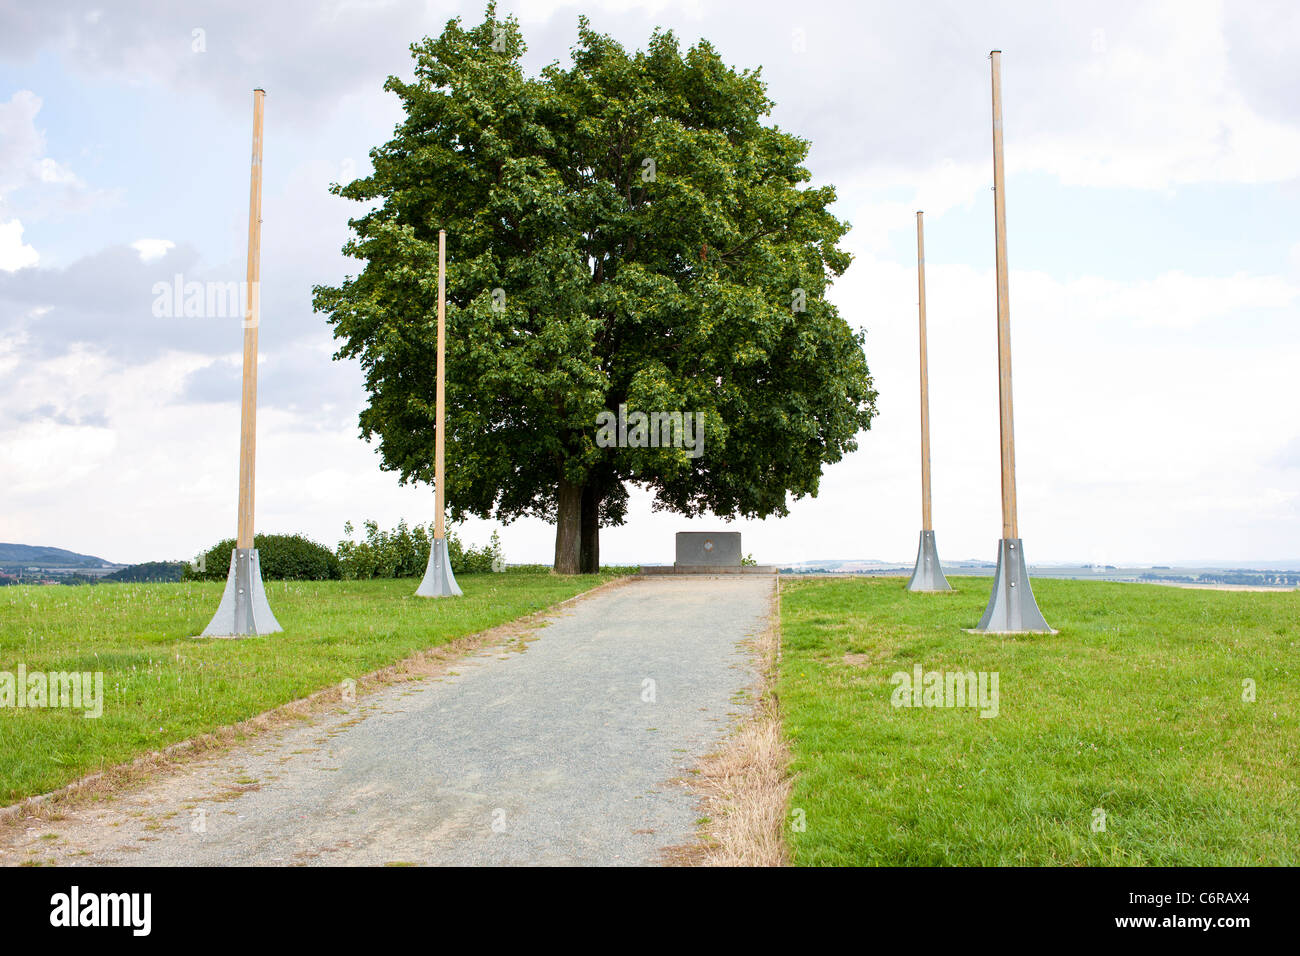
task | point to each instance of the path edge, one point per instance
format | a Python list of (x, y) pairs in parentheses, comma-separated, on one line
[(423, 664), (744, 787)]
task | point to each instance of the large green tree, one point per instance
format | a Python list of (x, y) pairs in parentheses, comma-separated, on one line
[(622, 231)]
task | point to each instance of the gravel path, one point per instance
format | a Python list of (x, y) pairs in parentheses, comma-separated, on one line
[(566, 748)]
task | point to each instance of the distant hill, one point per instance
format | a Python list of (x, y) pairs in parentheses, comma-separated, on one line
[(37, 556)]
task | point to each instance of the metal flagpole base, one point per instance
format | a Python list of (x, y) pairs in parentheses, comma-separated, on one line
[(439, 581), (928, 575), (243, 611), (1012, 608)]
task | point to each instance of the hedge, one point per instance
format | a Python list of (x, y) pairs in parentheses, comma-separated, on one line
[(283, 557)]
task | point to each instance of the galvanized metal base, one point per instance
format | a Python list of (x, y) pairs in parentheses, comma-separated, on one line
[(243, 611), (439, 581), (928, 575), (1012, 608)]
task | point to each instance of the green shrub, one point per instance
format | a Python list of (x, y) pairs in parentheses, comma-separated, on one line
[(404, 552), (401, 553), (150, 571), (283, 557), (468, 560)]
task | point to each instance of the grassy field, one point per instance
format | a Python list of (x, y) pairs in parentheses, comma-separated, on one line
[(160, 686), (1134, 710)]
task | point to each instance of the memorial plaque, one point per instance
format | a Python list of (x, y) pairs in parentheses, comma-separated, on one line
[(711, 548)]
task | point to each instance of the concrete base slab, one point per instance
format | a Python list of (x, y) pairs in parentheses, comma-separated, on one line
[(243, 611), (1012, 608), (928, 575), (439, 581)]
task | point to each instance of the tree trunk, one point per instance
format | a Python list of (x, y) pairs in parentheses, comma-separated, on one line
[(589, 560), (568, 527)]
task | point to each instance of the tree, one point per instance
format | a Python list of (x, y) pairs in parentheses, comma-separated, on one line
[(623, 233)]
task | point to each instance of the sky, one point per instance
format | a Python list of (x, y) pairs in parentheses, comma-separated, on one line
[(1153, 217)]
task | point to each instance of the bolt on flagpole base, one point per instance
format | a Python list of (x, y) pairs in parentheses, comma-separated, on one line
[(439, 581), (928, 575), (243, 611), (1012, 608)]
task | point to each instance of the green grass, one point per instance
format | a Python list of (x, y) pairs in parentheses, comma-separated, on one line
[(161, 686), (1134, 708)]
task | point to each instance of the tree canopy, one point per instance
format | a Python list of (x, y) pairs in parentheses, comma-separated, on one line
[(623, 232)]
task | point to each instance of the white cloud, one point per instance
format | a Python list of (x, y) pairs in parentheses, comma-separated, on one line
[(150, 249), (22, 147), (1157, 108), (30, 181), (14, 253), (46, 457), (1171, 300), (936, 190)]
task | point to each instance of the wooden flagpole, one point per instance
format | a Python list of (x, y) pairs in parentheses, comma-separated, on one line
[(252, 316), (244, 609), (928, 575), (1010, 525), (1011, 608), (926, 524), (440, 498), (439, 578)]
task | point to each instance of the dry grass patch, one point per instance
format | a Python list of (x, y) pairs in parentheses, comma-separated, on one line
[(744, 787)]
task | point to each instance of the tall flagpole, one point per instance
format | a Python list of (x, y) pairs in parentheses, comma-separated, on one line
[(926, 520), (1011, 608), (440, 498), (244, 610), (1010, 525), (439, 581), (928, 574), (252, 317)]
